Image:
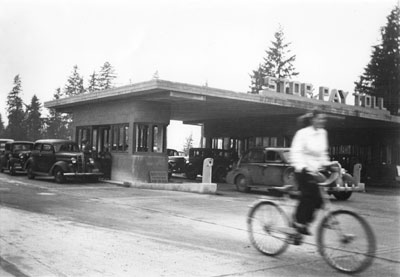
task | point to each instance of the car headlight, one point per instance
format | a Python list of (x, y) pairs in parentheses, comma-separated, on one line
[(91, 161), (73, 160), (21, 156)]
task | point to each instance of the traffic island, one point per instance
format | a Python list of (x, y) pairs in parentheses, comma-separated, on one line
[(205, 188)]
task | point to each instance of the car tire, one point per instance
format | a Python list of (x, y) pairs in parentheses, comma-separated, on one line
[(191, 173), (344, 195), (59, 176), (242, 184), (29, 172)]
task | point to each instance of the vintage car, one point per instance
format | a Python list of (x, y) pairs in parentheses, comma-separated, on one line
[(176, 161), (15, 155), (270, 167), (3, 144), (61, 159), (223, 161)]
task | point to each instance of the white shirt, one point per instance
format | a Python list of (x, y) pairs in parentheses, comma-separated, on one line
[(309, 149)]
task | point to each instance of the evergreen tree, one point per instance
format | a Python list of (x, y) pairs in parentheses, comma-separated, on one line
[(93, 82), (257, 80), (16, 114), (33, 121), (74, 84), (381, 77), (278, 63), (2, 128), (106, 76), (57, 123)]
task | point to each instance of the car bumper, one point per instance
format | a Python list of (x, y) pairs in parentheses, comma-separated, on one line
[(359, 187), (71, 174)]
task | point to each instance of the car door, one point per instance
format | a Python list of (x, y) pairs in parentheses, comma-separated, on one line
[(272, 173), (253, 162), (46, 157)]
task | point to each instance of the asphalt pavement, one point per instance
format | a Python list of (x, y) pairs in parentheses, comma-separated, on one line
[(101, 230)]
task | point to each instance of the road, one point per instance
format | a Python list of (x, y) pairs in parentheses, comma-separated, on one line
[(99, 229)]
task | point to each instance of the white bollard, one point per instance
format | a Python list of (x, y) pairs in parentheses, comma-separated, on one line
[(207, 170)]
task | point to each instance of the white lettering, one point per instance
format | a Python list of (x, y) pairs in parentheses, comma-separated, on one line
[(271, 83), (307, 90), (323, 92), (343, 96), (295, 88), (334, 96)]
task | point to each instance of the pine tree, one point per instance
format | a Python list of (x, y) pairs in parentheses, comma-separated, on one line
[(278, 63), (381, 77), (74, 84), (106, 76), (93, 82), (16, 114), (257, 80), (57, 123), (33, 121)]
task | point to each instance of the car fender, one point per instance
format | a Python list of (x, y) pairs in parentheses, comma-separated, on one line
[(234, 173), (62, 164)]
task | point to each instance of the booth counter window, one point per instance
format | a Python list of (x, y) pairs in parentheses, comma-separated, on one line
[(150, 137), (104, 138)]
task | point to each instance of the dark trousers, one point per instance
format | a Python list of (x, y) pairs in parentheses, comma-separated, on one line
[(310, 198)]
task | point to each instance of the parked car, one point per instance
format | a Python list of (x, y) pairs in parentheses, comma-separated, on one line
[(3, 144), (15, 155), (270, 167), (61, 159), (176, 161), (223, 162)]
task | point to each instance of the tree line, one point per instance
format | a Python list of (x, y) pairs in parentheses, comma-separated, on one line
[(381, 77), (25, 121)]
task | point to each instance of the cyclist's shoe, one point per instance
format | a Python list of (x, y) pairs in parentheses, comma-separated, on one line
[(297, 239), (301, 228)]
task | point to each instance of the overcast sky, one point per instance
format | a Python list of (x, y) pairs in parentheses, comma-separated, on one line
[(218, 42)]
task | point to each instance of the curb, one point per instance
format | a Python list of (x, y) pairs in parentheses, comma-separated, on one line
[(204, 188)]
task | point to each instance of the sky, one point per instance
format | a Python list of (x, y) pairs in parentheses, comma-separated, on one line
[(214, 42)]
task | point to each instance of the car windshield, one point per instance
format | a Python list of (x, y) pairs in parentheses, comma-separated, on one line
[(66, 147), (172, 152), (23, 147)]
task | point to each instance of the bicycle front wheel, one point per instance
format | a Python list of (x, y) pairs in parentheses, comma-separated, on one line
[(266, 223), (346, 241)]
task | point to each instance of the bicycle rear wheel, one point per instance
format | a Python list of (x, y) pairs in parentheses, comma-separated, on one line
[(346, 241), (266, 222)]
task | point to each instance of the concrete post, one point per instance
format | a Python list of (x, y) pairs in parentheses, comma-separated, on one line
[(207, 170), (357, 176)]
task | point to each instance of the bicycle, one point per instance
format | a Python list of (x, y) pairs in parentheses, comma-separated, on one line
[(344, 239)]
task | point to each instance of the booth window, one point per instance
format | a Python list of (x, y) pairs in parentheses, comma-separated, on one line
[(119, 137), (150, 137), (104, 138)]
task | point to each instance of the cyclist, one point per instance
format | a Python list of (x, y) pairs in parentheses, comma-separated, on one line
[(309, 154)]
